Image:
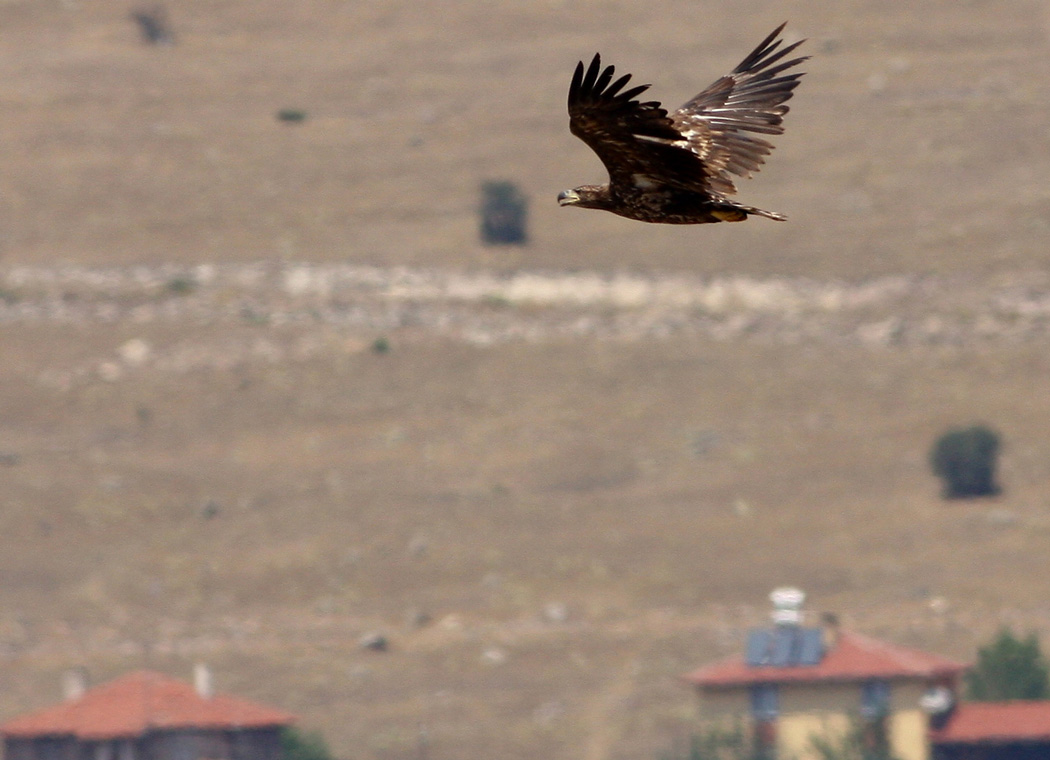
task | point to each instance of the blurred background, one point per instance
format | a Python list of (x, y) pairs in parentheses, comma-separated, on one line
[(271, 387)]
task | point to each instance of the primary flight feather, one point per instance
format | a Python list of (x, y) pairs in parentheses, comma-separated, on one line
[(675, 168)]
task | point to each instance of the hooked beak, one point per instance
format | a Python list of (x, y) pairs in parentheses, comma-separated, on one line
[(568, 198)]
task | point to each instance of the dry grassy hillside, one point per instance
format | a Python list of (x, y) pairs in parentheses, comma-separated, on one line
[(554, 492), (916, 142)]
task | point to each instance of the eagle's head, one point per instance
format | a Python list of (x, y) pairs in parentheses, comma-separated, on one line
[(586, 196)]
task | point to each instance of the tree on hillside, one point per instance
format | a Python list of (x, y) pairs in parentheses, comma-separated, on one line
[(1009, 668), (154, 25), (965, 459), (504, 213)]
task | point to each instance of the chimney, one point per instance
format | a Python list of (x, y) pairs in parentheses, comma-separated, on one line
[(787, 605), (74, 683), (830, 629), (202, 681)]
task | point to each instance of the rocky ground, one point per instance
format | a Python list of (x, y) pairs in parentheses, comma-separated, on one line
[(482, 307)]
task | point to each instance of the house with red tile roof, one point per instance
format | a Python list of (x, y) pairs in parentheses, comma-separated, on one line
[(148, 715), (793, 684), (1017, 730)]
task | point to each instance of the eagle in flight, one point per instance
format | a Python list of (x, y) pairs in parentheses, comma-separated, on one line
[(675, 168)]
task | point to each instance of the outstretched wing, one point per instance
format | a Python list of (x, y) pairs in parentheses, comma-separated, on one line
[(637, 141), (751, 99)]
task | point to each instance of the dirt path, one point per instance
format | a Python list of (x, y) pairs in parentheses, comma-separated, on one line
[(601, 725)]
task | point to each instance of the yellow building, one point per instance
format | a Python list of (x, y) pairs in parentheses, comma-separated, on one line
[(794, 683)]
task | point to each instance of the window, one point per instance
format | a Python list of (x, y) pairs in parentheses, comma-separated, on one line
[(875, 699), (765, 706), (765, 702)]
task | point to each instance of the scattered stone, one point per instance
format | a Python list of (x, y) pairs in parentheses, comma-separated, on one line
[(452, 622), (369, 301), (938, 605), (373, 641), (416, 618), (883, 333), (135, 352), (494, 656), (555, 612)]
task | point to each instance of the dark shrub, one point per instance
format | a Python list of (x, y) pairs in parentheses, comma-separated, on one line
[(504, 211), (181, 285), (1009, 668), (291, 115), (154, 25), (302, 745), (965, 459)]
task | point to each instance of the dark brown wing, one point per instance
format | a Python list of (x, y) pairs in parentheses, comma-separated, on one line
[(751, 99), (637, 141)]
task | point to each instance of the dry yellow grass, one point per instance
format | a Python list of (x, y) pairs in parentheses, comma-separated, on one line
[(258, 495)]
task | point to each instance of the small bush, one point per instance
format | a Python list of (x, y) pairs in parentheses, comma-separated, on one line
[(180, 286), (291, 115), (965, 459), (154, 25), (504, 213), (865, 740), (300, 745), (728, 743)]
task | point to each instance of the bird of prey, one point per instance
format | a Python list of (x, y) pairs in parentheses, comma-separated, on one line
[(675, 168)]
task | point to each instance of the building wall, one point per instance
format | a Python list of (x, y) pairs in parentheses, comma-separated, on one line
[(819, 698), (247, 744), (908, 734), (257, 744), (42, 748), (908, 723), (795, 732), (824, 709)]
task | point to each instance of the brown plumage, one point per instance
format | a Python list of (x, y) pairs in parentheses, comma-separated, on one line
[(676, 168)]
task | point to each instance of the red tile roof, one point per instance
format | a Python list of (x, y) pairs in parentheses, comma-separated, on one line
[(995, 722), (854, 657), (140, 702)]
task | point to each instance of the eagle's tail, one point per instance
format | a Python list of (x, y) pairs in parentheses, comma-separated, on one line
[(737, 212)]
